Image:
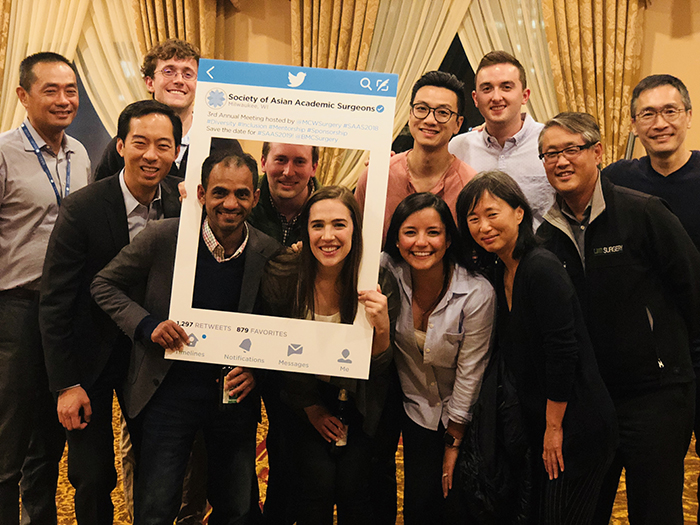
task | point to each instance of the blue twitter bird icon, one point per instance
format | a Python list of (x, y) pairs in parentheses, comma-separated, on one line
[(296, 80)]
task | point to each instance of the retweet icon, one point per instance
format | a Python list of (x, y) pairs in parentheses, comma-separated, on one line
[(296, 80)]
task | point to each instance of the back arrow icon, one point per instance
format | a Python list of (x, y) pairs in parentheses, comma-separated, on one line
[(209, 72)]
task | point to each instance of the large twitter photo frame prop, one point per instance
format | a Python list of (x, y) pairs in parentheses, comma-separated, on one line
[(295, 105)]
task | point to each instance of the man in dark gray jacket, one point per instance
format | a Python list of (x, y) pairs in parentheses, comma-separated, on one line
[(637, 275), (175, 399)]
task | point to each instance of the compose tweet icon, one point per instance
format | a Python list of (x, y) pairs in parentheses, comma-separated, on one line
[(294, 349), (296, 80)]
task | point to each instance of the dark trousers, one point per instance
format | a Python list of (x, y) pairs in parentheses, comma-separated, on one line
[(326, 480), (281, 483), (567, 500), (31, 438), (91, 450), (696, 428), (384, 445), (186, 401), (655, 430), (423, 451)]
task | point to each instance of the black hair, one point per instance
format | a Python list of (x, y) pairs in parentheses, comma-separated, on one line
[(443, 80), (501, 185), (147, 107), (455, 253), (26, 67), (229, 158), (654, 81)]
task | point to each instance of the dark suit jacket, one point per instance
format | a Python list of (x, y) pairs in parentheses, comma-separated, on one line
[(150, 259), (91, 228)]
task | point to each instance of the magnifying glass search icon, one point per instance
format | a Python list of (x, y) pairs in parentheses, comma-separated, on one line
[(365, 83)]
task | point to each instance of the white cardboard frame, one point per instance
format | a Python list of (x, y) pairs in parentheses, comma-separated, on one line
[(344, 109)]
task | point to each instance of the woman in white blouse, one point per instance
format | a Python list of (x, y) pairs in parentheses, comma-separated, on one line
[(443, 335)]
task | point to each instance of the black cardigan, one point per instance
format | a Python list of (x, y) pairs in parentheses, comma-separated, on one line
[(547, 349)]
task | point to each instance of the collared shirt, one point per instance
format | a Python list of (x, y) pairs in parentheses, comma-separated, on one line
[(137, 214), (575, 228), (184, 144), (28, 208), (287, 226), (518, 158), (400, 186), (216, 249), (441, 381)]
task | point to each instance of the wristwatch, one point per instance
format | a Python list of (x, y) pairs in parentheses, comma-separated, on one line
[(451, 441)]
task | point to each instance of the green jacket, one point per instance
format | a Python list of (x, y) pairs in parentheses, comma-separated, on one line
[(266, 218)]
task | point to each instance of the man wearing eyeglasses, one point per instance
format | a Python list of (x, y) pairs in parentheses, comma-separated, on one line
[(437, 106), (661, 115), (508, 139), (637, 276), (170, 72)]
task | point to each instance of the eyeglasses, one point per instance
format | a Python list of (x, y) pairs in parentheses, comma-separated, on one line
[(171, 72), (442, 115), (570, 153), (649, 115)]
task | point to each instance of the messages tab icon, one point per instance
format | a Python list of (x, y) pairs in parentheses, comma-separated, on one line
[(294, 349)]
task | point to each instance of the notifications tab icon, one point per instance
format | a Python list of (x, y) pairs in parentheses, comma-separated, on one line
[(294, 349)]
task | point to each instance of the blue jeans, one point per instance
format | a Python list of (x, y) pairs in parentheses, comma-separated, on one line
[(186, 401), (31, 438)]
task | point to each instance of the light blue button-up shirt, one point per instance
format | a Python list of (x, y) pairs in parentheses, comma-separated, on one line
[(442, 382)]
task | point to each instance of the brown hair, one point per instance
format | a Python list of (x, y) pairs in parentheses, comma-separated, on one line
[(308, 267), (494, 58), (266, 151), (173, 47)]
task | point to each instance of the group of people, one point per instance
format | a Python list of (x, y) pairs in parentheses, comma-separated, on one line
[(539, 272)]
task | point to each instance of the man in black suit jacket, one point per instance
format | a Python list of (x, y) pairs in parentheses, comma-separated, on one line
[(175, 399), (86, 356)]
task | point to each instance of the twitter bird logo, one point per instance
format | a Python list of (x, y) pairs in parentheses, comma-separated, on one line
[(296, 80)]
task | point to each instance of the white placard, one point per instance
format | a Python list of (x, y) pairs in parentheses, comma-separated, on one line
[(294, 105)]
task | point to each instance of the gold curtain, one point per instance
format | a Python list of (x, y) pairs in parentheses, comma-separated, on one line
[(334, 34), (5, 8), (33, 26), (191, 20), (595, 48), (518, 28)]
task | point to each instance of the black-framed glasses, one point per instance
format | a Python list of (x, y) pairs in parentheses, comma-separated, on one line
[(649, 115), (171, 72), (421, 111), (570, 153)]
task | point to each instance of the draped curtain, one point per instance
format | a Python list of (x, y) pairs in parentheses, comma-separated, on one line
[(36, 25), (108, 58), (334, 34), (193, 20), (105, 43), (410, 38), (518, 28), (595, 48), (5, 8)]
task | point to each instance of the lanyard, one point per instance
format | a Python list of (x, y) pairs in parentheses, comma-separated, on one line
[(40, 156)]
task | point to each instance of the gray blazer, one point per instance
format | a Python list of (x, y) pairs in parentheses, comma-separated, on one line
[(150, 259)]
